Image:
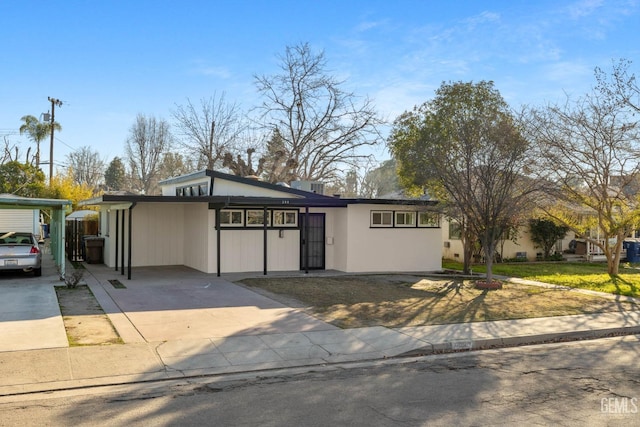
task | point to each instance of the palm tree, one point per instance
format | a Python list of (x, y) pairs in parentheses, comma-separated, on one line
[(37, 131)]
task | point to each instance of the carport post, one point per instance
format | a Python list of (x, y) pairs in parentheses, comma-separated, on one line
[(133, 205), (306, 240), (58, 214), (264, 240), (122, 238), (116, 248), (218, 240)]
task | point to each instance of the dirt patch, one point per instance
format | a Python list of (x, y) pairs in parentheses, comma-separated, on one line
[(405, 300), (84, 320)]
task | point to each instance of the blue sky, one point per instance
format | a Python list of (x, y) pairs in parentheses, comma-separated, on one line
[(110, 60)]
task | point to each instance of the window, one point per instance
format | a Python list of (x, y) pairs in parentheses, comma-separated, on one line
[(428, 219), (231, 218), (405, 219), (381, 218), (285, 218), (193, 190), (256, 218), (455, 231)]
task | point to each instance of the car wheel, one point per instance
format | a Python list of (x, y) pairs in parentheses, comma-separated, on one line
[(37, 272)]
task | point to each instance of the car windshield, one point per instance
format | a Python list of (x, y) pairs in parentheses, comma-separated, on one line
[(13, 238)]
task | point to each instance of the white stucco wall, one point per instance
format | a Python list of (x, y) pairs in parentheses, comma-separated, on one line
[(243, 250), (157, 235), (195, 243), (222, 187), (390, 249), (184, 234)]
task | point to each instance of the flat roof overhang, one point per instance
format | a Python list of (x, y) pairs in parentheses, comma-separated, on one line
[(216, 202)]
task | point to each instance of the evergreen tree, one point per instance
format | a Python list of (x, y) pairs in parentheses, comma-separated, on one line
[(115, 177)]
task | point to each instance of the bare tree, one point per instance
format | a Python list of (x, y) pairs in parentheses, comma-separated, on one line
[(620, 85), (86, 167), (322, 126), (11, 152), (210, 131), (588, 151), (149, 139)]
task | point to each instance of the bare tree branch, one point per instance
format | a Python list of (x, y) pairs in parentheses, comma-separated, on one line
[(149, 139), (323, 128), (210, 131)]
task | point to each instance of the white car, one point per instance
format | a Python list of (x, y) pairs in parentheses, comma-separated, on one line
[(20, 251)]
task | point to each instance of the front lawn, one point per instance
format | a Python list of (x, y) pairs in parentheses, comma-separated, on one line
[(592, 276), (407, 300)]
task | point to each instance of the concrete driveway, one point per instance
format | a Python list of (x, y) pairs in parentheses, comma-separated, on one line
[(29, 313), (179, 303)]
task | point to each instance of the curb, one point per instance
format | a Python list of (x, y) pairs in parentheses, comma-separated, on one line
[(457, 346)]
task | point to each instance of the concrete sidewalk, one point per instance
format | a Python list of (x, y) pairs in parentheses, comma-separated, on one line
[(66, 368), (267, 343)]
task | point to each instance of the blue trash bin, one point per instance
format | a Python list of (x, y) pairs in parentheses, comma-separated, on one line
[(633, 251)]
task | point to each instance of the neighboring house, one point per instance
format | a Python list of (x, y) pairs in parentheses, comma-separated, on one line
[(520, 248), (215, 223), (24, 220)]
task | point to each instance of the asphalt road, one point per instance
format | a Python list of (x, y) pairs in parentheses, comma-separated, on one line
[(588, 383)]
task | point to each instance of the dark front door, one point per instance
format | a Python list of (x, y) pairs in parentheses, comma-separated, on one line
[(312, 241)]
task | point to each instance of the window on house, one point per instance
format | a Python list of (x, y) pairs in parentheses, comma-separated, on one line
[(231, 218), (202, 189), (381, 218), (428, 219), (285, 218), (256, 218), (455, 231), (405, 219)]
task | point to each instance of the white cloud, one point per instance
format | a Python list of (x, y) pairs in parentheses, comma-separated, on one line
[(583, 8), (204, 69)]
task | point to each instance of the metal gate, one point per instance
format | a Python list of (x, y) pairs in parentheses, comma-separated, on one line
[(312, 240)]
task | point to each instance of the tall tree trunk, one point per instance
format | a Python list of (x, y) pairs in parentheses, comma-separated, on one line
[(489, 250)]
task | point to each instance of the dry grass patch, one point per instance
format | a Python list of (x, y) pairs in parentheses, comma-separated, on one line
[(403, 300), (84, 320)]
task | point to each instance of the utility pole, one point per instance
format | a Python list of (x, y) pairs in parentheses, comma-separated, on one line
[(54, 102)]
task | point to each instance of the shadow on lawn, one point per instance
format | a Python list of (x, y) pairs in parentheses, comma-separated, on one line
[(448, 302), (619, 282)]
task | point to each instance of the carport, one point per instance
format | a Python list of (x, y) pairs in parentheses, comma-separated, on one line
[(56, 227)]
